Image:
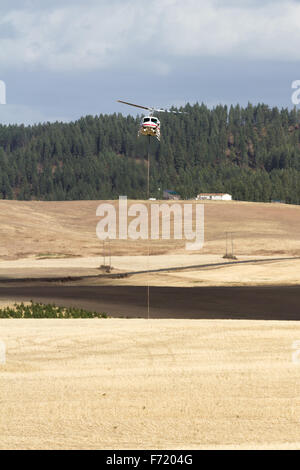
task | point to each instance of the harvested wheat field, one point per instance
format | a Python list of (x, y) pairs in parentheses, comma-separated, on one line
[(123, 384), (58, 239), (68, 228), (166, 383), (211, 270)]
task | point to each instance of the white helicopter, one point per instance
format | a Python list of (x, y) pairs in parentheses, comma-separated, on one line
[(150, 125)]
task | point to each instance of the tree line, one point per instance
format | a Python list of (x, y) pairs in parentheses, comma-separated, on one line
[(252, 153)]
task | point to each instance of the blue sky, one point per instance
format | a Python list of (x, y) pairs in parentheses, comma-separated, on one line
[(64, 59)]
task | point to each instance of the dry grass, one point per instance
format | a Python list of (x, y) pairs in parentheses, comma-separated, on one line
[(65, 229), (283, 272), (42, 239), (121, 384)]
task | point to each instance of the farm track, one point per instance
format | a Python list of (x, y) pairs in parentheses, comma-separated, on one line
[(7, 280)]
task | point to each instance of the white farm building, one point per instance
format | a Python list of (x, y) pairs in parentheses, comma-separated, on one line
[(214, 197)]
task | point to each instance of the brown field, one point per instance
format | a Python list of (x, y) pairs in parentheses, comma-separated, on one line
[(67, 229), (123, 384), (165, 383), (40, 239), (280, 272)]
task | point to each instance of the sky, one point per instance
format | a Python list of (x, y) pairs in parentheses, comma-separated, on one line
[(61, 60)]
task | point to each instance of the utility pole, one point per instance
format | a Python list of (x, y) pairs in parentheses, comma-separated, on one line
[(106, 254)]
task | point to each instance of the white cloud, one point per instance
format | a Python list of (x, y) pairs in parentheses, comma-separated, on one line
[(270, 31), (110, 33)]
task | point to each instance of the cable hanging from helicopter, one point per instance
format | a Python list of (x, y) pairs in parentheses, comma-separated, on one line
[(150, 125)]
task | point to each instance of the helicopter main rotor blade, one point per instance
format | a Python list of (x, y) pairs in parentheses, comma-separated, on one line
[(135, 105)]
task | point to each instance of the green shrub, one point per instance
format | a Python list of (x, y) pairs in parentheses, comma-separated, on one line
[(38, 310)]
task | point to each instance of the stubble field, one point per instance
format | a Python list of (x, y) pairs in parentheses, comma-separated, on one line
[(164, 383), (126, 384)]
